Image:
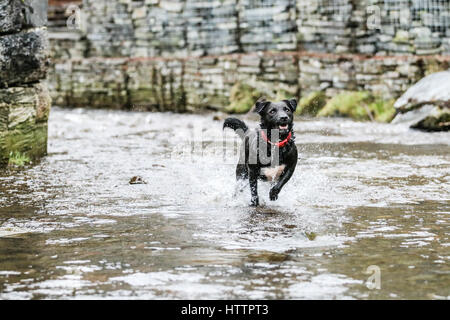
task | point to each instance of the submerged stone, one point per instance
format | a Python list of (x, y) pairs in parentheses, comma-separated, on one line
[(137, 180)]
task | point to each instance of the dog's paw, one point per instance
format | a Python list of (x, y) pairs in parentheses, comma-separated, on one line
[(273, 194), (254, 202)]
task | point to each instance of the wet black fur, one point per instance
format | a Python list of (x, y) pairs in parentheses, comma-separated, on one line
[(272, 116)]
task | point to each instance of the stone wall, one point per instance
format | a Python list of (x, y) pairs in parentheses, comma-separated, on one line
[(150, 28), (24, 100), (183, 55), (159, 84)]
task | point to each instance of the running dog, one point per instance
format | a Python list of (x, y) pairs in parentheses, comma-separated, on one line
[(268, 153)]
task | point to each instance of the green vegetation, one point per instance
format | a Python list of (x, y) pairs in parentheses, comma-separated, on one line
[(311, 104), (18, 159), (242, 98), (359, 105), (283, 95), (22, 144)]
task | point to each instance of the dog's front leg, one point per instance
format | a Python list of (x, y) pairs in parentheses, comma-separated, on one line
[(275, 190), (253, 178)]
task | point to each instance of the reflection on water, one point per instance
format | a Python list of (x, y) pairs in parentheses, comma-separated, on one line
[(363, 194)]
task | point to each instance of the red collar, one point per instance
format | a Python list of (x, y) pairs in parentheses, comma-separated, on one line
[(278, 144)]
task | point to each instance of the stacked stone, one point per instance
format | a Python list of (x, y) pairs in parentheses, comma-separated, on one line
[(179, 31), (326, 72), (159, 28), (267, 25), (324, 25), (64, 31), (156, 85), (414, 27), (365, 26), (212, 26), (24, 101), (388, 77), (94, 82), (207, 82), (274, 75), (109, 27)]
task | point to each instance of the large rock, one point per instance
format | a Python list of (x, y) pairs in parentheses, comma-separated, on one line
[(24, 57), (426, 105)]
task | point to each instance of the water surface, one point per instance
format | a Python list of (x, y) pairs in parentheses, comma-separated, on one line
[(363, 194)]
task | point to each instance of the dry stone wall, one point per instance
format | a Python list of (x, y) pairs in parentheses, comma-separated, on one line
[(24, 99), (188, 54)]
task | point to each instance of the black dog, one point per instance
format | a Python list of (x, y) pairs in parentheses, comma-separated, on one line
[(268, 153)]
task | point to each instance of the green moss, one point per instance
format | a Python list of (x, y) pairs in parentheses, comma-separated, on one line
[(383, 110), (242, 98), (282, 95), (28, 139), (3, 151), (311, 104), (18, 159), (359, 105), (439, 120), (433, 66)]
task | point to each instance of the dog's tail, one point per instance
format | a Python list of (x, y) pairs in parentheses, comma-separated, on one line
[(237, 125)]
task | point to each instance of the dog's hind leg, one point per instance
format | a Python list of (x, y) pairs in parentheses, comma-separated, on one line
[(253, 178)]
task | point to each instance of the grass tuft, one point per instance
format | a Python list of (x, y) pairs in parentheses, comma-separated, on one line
[(359, 105), (18, 159)]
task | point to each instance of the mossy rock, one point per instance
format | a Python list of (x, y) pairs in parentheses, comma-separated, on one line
[(24, 112), (437, 120), (359, 105), (28, 139), (311, 104), (242, 98)]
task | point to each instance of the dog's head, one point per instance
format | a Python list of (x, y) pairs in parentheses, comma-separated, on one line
[(277, 115)]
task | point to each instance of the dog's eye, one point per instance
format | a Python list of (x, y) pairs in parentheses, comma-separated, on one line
[(287, 109), (272, 111)]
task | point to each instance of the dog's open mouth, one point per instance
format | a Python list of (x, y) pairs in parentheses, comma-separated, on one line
[(285, 127)]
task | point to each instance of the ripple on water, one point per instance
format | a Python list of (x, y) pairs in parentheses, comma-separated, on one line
[(369, 193)]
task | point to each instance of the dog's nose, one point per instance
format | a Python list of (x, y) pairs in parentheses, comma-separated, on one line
[(284, 119)]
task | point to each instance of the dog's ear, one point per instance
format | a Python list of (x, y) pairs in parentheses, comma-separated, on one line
[(260, 105), (291, 103)]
